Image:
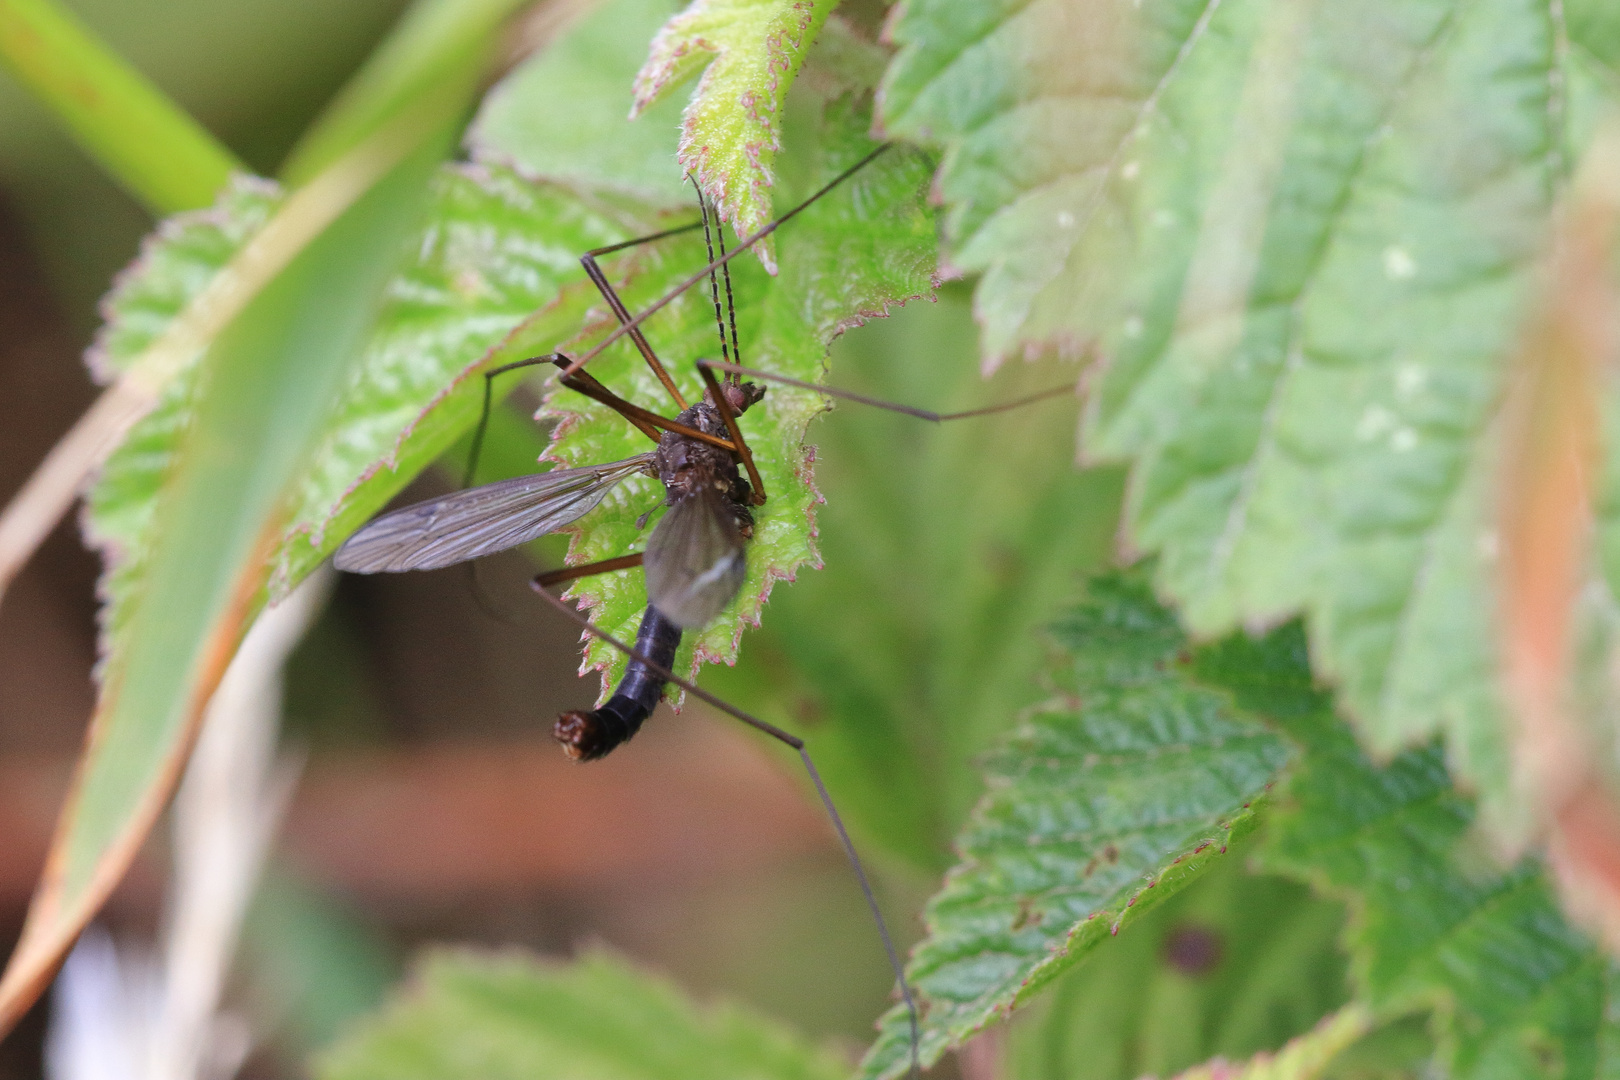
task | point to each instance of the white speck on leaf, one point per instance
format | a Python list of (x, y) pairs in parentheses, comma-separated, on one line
[(1410, 378), (1398, 263), (1374, 422), (1403, 440)]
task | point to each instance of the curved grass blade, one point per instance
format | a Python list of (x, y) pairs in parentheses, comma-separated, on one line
[(147, 143), (437, 45), (271, 374)]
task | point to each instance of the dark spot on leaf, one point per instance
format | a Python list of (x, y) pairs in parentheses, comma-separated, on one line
[(1193, 950), (1027, 915), (1111, 853), (1091, 866)]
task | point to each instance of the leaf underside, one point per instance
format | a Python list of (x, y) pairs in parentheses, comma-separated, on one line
[(1435, 921), (1116, 794), (1297, 238), (1233, 967)]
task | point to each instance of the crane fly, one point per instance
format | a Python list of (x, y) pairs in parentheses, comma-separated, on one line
[(695, 559)]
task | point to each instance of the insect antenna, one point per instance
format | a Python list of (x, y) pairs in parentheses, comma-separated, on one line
[(726, 355), (1065, 390), (747, 242), (731, 303), (815, 779)]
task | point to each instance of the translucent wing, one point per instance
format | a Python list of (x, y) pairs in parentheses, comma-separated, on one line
[(694, 563), (480, 521)]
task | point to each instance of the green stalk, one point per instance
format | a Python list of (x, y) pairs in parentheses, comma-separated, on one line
[(437, 43), (149, 145)]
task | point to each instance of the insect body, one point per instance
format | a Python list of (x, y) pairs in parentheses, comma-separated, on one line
[(694, 561), (694, 566)]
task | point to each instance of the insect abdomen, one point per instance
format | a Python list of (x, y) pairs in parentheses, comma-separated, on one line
[(586, 736)]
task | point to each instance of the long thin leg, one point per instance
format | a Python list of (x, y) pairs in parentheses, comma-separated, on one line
[(648, 423), (815, 778), (599, 279), (749, 241), (583, 383), (569, 573), (1067, 389)]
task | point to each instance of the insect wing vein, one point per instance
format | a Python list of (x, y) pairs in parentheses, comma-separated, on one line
[(695, 563), (480, 521)]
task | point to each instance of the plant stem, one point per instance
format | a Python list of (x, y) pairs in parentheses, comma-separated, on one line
[(149, 145)]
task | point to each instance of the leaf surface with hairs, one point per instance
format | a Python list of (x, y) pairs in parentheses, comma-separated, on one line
[(1118, 793), (1298, 239)]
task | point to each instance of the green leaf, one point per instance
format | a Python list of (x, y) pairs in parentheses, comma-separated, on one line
[(176, 263), (592, 142), (867, 245), (271, 374), (731, 131), (947, 547), (129, 127), (1301, 235), (1118, 792), (1305, 1056), (1234, 965), (1435, 921), (494, 278), (497, 251), (506, 1017)]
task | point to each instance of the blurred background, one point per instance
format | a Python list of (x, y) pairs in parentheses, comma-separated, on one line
[(433, 805)]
